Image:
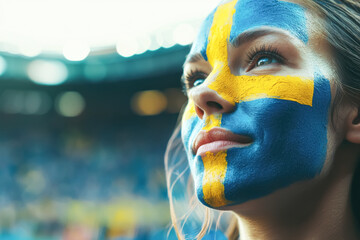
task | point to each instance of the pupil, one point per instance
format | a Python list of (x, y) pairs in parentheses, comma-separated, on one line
[(264, 61), (198, 82)]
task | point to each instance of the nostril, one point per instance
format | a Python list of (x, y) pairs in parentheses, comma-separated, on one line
[(199, 112), (212, 104)]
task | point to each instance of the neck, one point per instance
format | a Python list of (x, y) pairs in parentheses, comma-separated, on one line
[(317, 209)]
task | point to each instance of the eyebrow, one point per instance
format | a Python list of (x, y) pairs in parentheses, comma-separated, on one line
[(250, 36)]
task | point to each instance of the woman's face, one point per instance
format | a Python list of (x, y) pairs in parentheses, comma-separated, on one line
[(259, 99)]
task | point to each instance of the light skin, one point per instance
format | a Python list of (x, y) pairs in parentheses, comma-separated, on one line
[(316, 203)]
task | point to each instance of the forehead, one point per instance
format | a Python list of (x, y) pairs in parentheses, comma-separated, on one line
[(251, 14)]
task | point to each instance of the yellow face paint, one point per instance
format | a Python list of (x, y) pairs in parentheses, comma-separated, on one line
[(220, 32), (214, 175), (215, 165), (189, 111), (237, 89), (212, 121)]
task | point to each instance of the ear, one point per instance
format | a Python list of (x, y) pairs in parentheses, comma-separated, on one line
[(353, 126)]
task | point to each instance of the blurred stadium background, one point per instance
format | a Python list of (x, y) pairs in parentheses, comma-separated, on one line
[(89, 96)]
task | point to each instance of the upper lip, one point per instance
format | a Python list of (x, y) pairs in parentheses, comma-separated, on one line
[(218, 134)]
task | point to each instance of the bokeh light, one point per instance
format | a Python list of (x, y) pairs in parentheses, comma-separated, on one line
[(70, 104), (149, 102), (167, 40), (144, 43), (3, 65), (76, 51), (159, 38), (99, 23), (30, 49), (127, 47), (184, 34), (154, 45), (47, 72)]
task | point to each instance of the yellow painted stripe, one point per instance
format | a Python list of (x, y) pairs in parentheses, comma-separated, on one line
[(237, 89), (215, 165), (189, 111), (215, 170), (220, 32), (212, 121)]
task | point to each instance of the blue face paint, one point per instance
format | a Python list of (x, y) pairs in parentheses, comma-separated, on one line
[(251, 14), (290, 138), (271, 13)]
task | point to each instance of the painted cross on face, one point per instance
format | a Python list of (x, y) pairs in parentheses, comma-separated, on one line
[(275, 131)]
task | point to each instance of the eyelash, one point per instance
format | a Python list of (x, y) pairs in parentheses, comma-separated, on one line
[(252, 57), (189, 79), (263, 51)]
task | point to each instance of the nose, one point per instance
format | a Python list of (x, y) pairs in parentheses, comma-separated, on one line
[(208, 101)]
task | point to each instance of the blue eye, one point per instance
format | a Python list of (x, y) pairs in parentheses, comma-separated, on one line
[(265, 60), (193, 78), (198, 82), (264, 55)]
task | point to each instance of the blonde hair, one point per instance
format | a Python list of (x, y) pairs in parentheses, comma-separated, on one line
[(184, 205)]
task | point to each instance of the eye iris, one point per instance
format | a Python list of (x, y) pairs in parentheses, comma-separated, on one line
[(198, 82), (264, 61)]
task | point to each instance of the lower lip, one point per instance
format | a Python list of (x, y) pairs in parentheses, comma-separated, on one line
[(218, 146)]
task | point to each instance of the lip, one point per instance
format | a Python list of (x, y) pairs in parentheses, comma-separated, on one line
[(218, 139)]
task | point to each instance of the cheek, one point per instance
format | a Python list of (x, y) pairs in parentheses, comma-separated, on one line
[(290, 144)]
